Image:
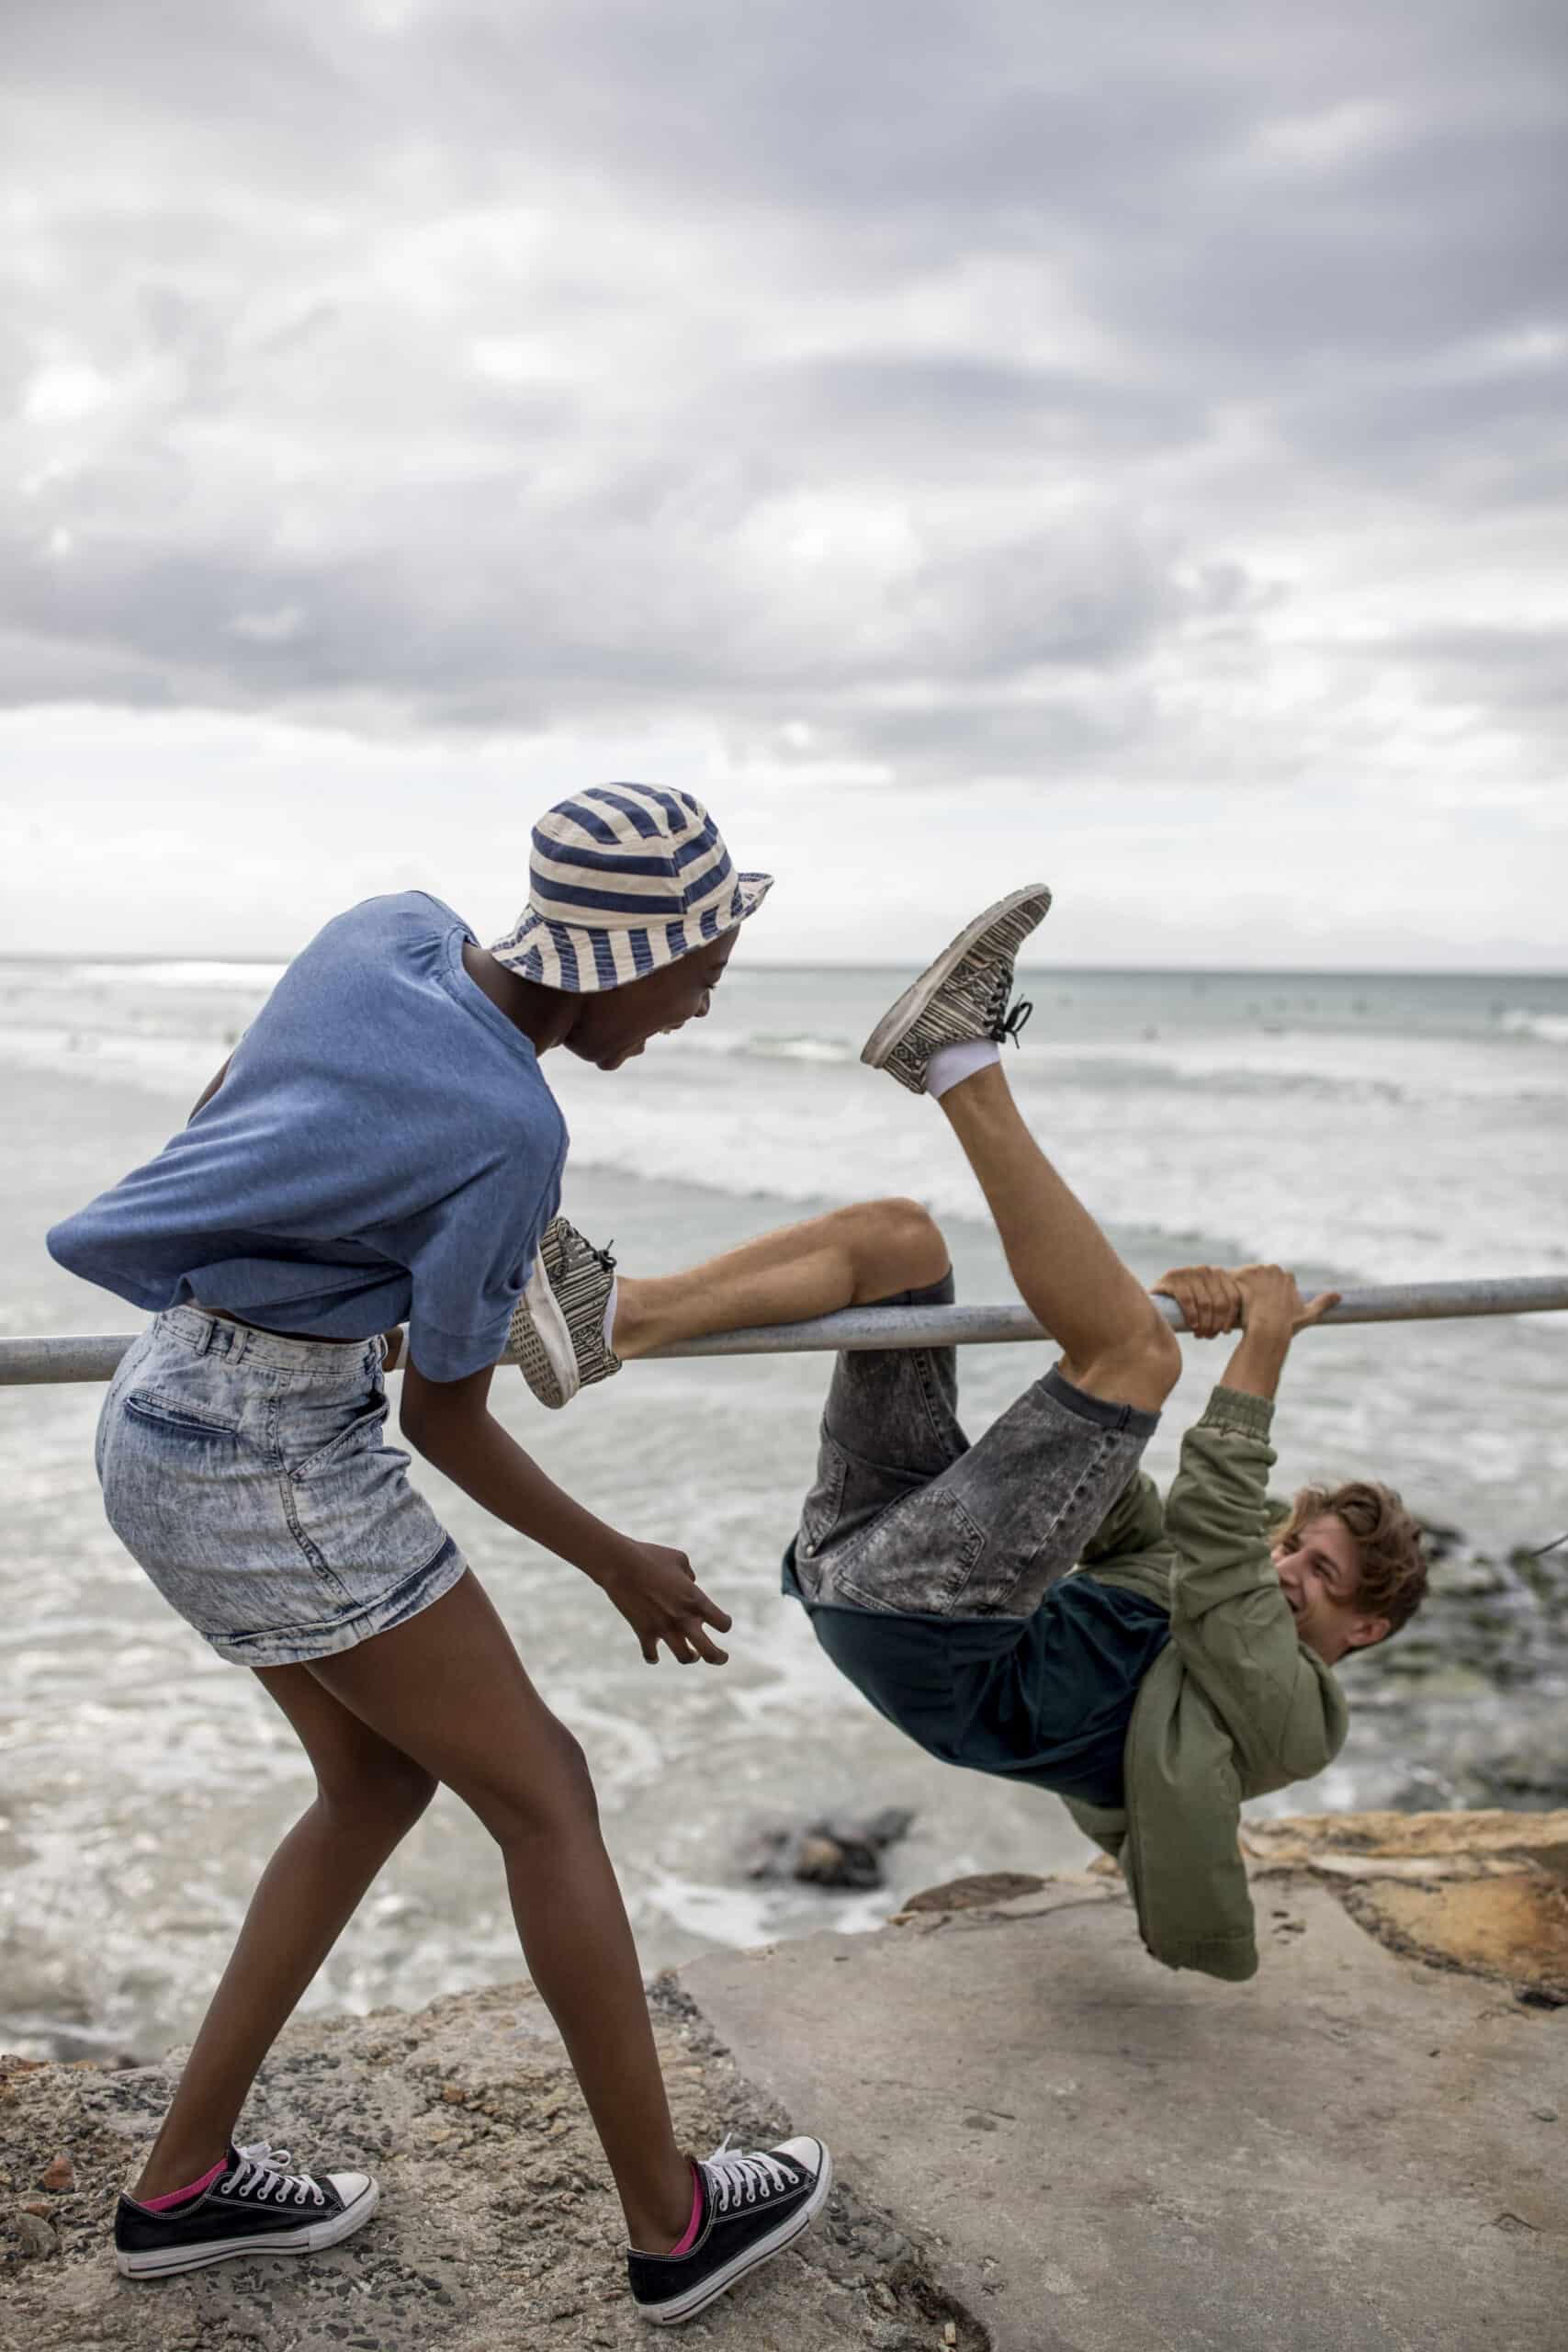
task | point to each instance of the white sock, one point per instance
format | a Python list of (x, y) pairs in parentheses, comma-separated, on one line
[(610, 1314), (951, 1063)]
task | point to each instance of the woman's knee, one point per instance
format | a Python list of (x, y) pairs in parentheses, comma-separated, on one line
[(547, 1792), (392, 1794)]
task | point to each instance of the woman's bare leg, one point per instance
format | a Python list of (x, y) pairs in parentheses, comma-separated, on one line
[(852, 1256), (1115, 1342), (448, 1689), (368, 1796)]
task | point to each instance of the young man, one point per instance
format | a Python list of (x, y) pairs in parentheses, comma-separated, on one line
[(1024, 1606)]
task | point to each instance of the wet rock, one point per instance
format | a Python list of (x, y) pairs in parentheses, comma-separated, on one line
[(837, 1849), (982, 1891), (1468, 1705)]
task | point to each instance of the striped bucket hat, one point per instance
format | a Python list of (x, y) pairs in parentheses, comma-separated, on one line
[(624, 879)]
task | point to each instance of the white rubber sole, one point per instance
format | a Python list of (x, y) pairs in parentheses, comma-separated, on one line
[(310, 2239), (544, 1307), (901, 1016), (687, 2306)]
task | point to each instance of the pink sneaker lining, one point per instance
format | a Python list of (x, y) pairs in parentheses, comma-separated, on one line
[(685, 2244), (178, 2195)]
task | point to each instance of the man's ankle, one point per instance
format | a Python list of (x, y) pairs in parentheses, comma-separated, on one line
[(951, 1065)]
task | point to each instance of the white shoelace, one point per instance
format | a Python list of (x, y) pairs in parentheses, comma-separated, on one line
[(264, 2172), (740, 2179)]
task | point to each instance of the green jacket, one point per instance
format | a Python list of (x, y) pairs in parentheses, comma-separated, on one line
[(1232, 1706)]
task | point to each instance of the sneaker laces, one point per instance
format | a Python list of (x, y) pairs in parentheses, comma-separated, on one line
[(604, 1258), (741, 2177), (264, 2172), (1000, 1023)]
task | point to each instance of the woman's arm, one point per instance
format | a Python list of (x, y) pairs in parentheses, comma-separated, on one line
[(654, 1587)]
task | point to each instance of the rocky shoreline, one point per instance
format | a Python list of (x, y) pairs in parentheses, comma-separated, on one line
[(1468, 1708), (498, 2227)]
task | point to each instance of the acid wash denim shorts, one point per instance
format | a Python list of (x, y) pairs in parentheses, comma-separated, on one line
[(906, 1517), (250, 1475)]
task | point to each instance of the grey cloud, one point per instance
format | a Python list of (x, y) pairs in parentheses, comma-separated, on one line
[(1521, 673), (890, 408), (301, 493), (510, 605), (1042, 739)]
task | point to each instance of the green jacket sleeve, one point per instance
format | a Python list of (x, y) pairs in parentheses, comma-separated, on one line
[(1230, 1622), (1176, 1841), (1182, 1859)]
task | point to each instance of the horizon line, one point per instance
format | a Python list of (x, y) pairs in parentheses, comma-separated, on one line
[(131, 957)]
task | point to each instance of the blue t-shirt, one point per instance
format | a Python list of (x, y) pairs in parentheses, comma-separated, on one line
[(1045, 1699), (383, 1150)]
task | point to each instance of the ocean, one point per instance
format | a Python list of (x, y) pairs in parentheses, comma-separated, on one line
[(1360, 1128)]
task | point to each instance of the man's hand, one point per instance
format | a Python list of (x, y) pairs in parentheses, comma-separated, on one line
[(657, 1592), (1269, 1295), (1209, 1297), (1273, 1312)]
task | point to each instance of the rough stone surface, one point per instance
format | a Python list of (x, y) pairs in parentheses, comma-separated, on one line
[(497, 2227), (1484, 1892), (1360, 2149)]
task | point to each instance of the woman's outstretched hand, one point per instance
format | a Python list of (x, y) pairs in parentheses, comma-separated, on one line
[(657, 1592)]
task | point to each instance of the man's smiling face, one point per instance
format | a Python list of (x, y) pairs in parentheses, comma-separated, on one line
[(1319, 1571)]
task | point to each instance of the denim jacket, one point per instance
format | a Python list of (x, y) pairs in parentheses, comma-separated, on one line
[(1233, 1707)]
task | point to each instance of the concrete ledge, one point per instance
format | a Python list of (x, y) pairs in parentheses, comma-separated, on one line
[(1360, 2149)]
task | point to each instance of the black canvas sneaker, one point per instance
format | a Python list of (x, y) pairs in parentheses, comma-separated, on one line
[(255, 2206), (961, 997), (557, 1325), (753, 2204)]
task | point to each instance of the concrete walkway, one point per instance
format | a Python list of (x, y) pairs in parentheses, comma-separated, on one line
[(1356, 2153)]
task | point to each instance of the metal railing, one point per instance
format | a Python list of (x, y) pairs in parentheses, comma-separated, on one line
[(59, 1358)]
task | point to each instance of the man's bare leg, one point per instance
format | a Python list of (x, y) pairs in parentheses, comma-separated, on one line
[(852, 1256), (1115, 1342)]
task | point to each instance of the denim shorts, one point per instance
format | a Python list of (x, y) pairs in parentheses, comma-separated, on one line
[(250, 1475), (905, 1516)]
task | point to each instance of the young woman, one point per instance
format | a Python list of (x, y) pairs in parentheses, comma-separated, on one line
[(381, 1148)]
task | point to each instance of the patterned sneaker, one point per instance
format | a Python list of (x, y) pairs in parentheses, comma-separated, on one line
[(557, 1325), (256, 2206), (962, 996), (752, 2207)]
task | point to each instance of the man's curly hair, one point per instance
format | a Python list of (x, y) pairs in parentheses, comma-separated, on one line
[(1392, 1581)]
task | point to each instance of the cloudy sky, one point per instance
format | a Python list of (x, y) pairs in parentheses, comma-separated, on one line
[(966, 440)]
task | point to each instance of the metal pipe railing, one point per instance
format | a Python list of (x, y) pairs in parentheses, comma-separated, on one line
[(48, 1359)]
